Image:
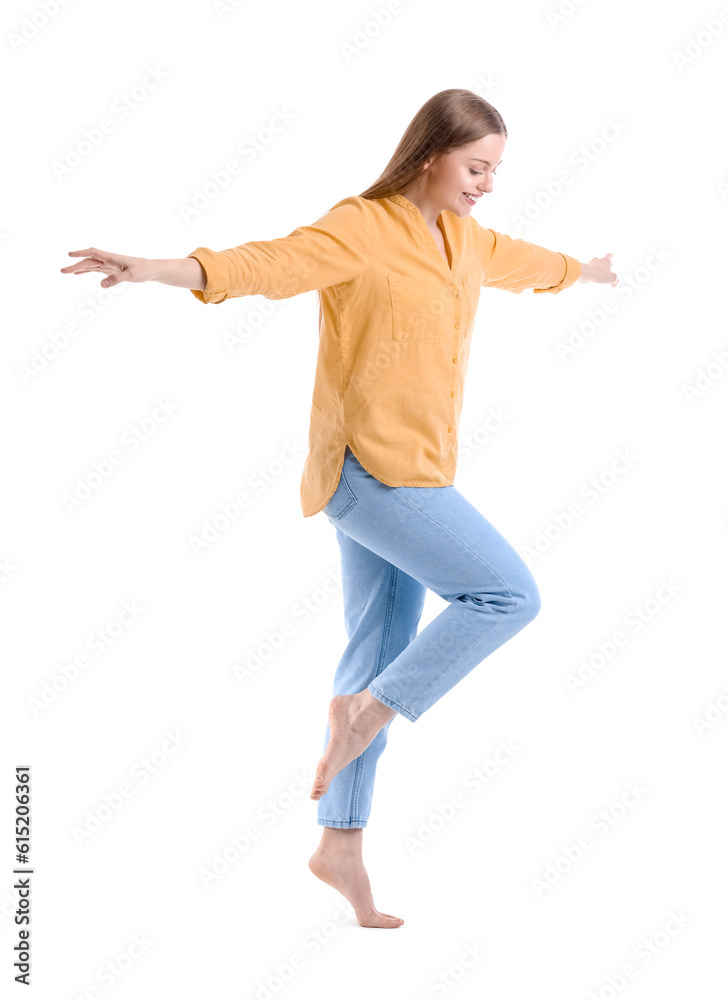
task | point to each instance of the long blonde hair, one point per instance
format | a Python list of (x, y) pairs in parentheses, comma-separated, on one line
[(448, 120)]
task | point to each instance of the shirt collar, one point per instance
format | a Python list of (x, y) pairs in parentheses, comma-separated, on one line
[(399, 199)]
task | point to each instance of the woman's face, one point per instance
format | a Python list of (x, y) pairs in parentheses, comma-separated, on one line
[(453, 176)]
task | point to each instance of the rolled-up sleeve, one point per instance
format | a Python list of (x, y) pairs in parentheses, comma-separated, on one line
[(517, 265), (333, 249)]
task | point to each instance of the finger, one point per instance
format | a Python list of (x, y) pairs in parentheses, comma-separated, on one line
[(89, 252), (80, 264), (89, 264)]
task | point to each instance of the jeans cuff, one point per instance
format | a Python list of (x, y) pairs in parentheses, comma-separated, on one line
[(392, 704), (344, 823)]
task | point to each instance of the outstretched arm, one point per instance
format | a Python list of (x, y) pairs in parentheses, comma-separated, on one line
[(184, 272), (333, 249), (516, 265)]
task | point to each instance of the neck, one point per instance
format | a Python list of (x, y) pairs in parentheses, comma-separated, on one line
[(429, 210)]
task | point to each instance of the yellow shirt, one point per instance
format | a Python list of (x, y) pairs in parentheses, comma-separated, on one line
[(395, 324)]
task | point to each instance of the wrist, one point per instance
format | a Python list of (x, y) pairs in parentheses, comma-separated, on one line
[(585, 273), (156, 269), (184, 272)]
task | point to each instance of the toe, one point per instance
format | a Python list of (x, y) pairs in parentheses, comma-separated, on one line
[(319, 783)]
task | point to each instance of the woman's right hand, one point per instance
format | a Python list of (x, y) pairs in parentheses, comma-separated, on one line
[(117, 267), (599, 269)]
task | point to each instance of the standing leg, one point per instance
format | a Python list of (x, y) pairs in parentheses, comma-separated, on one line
[(382, 609)]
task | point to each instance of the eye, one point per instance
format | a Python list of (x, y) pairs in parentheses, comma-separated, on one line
[(475, 171)]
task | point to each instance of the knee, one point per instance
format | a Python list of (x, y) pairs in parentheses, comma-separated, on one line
[(519, 596), (527, 597)]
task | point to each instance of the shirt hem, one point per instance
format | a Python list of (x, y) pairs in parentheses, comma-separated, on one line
[(418, 482)]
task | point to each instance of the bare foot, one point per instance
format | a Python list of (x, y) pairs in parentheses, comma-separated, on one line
[(337, 861), (354, 721)]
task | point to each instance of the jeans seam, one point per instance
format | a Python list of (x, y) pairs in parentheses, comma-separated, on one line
[(353, 495), (388, 614), (351, 501)]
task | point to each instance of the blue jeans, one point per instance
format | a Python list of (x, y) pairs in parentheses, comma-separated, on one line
[(396, 542)]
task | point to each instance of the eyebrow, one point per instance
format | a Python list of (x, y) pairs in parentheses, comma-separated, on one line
[(477, 158)]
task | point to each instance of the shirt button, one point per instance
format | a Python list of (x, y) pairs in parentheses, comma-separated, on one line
[(454, 360), (455, 291), (457, 326), (449, 429), (452, 393)]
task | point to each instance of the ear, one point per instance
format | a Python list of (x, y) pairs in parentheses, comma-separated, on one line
[(432, 159)]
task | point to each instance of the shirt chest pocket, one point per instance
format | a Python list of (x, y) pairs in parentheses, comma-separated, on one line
[(419, 309)]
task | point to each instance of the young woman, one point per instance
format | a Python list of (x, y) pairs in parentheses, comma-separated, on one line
[(398, 270)]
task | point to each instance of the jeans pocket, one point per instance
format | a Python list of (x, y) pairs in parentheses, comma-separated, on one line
[(342, 501)]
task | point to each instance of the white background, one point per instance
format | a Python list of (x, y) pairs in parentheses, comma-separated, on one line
[(650, 185)]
